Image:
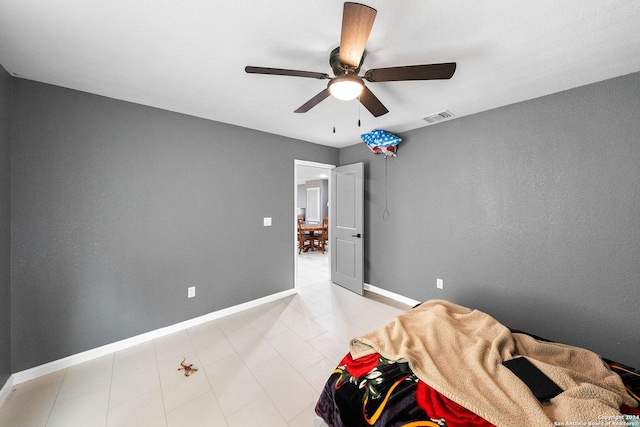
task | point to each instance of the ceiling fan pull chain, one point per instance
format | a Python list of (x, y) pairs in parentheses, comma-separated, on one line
[(333, 112), (359, 108)]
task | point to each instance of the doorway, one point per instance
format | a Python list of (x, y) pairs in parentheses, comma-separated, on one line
[(311, 265)]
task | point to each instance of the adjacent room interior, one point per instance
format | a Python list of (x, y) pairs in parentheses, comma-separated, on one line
[(150, 186)]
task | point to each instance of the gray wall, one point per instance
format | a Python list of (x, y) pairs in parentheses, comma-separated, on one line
[(5, 211), (530, 212), (118, 208)]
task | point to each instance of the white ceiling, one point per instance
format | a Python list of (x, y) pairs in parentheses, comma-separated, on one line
[(189, 56)]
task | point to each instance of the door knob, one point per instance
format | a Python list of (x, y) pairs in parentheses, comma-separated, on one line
[(357, 235)]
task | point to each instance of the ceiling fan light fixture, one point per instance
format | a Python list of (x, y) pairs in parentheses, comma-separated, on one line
[(345, 88)]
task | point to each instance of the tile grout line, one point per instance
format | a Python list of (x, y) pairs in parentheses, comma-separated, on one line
[(264, 392), (66, 371), (113, 362), (204, 372), (164, 405)]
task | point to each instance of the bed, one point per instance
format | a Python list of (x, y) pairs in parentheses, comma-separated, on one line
[(444, 365)]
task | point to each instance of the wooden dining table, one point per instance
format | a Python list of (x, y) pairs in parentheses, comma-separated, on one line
[(311, 229)]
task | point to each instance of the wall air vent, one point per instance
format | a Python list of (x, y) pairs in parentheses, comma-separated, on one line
[(438, 117)]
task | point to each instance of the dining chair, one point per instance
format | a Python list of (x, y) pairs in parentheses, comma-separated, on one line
[(303, 237), (323, 239)]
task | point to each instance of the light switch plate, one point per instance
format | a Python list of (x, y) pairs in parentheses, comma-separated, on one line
[(267, 221)]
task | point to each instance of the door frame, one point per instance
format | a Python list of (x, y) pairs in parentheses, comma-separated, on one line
[(297, 163)]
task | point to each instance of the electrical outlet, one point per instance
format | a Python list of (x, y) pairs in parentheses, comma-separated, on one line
[(191, 292), (266, 221), (439, 284)]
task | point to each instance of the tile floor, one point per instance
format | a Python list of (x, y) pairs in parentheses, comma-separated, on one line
[(265, 366)]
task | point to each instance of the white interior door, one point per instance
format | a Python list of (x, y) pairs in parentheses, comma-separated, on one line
[(347, 226)]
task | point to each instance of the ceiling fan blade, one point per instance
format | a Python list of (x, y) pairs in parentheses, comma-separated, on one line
[(411, 72), (373, 104), (313, 101), (283, 72), (357, 20)]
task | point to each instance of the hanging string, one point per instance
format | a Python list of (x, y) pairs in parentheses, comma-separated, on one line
[(359, 105), (334, 116), (386, 213)]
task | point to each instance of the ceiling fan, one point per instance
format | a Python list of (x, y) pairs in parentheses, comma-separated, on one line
[(346, 60)]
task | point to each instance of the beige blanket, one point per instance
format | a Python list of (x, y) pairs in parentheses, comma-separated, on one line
[(459, 352)]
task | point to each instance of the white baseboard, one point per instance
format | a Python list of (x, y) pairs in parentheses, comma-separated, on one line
[(391, 295), (56, 365), (6, 389)]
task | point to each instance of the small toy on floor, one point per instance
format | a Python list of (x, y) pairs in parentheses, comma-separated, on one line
[(188, 369)]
